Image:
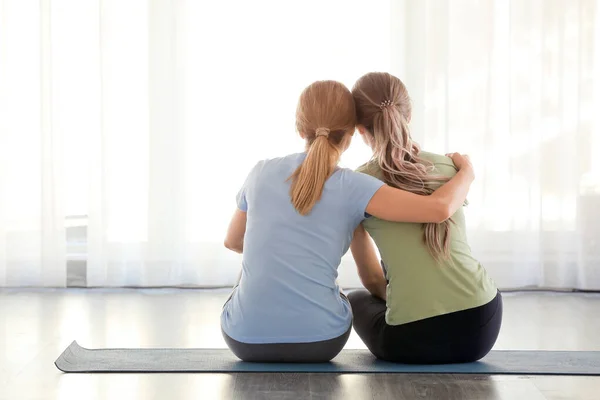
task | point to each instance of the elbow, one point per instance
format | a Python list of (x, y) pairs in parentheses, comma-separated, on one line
[(377, 287), (374, 280), (443, 212), (229, 245)]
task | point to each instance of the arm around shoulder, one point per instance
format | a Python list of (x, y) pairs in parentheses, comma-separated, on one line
[(397, 205)]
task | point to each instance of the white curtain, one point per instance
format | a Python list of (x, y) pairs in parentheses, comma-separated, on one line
[(161, 108), (516, 84), (32, 232), (126, 128)]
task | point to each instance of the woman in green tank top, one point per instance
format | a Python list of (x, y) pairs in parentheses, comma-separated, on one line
[(432, 302)]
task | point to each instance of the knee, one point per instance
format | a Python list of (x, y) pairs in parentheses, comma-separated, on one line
[(358, 295)]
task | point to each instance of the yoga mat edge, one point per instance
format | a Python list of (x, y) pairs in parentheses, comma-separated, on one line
[(78, 359)]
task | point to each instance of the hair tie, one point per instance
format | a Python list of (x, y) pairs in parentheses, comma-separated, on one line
[(385, 103), (322, 132)]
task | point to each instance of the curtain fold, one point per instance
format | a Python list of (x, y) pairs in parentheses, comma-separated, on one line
[(32, 233)]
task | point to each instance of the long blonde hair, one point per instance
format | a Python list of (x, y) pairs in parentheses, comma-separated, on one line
[(383, 107), (326, 118)]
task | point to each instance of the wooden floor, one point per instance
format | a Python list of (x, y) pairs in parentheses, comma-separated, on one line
[(36, 325)]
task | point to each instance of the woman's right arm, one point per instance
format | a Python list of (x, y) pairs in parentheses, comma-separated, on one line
[(369, 269), (397, 205)]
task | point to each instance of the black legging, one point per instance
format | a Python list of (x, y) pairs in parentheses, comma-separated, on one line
[(458, 337)]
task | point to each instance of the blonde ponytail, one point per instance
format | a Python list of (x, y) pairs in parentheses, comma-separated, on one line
[(326, 118), (309, 178)]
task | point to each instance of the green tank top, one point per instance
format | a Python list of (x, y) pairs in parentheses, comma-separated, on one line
[(419, 286)]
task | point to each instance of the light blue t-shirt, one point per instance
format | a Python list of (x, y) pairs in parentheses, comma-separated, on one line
[(288, 291)]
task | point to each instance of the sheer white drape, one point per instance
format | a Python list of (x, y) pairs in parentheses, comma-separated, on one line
[(163, 107), (140, 119), (516, 84), (32, 235)]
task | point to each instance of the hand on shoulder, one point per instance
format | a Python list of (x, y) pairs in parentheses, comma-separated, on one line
[(462, 162)]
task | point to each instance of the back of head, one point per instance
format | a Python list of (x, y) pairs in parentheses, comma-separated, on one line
[(383, 107), (326, 118)]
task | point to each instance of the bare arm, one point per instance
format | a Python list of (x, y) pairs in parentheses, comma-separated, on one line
[(369, 269), (392, 204), (234, 240)]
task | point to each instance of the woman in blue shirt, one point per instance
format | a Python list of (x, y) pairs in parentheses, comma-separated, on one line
[(295, 220)]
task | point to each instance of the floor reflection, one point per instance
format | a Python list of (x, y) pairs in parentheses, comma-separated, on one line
[(36, 326)]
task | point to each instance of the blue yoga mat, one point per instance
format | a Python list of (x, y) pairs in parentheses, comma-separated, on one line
[(78, 359)]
